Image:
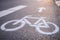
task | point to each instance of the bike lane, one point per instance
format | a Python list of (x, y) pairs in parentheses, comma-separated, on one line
[(29, 33)]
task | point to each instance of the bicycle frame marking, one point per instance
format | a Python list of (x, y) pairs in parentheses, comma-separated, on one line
[(36, 23)]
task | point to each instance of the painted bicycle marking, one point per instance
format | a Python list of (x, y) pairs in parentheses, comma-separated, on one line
[(37, 24), (24, 21)]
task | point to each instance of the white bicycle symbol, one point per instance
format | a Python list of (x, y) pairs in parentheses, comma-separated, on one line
[(37, 25)]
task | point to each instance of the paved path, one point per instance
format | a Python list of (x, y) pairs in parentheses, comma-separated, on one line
[(17, 9)]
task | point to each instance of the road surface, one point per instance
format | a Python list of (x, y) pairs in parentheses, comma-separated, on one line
[(17, 9)]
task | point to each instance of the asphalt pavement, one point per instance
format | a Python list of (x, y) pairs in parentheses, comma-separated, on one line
[(36, 15)]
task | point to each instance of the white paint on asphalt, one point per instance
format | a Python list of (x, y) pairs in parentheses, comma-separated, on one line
[(37, 25), (11, 10), (41, 9)]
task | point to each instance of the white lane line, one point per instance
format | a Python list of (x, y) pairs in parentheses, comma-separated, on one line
[(11, 10)]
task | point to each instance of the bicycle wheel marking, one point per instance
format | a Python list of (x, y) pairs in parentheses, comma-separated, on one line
[(49, 33), (12, 29)]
